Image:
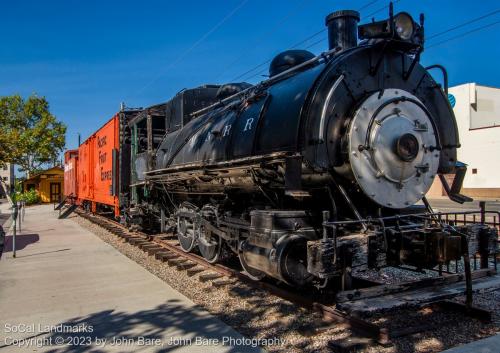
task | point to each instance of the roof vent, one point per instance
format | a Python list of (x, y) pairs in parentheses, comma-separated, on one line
[(287, 60)]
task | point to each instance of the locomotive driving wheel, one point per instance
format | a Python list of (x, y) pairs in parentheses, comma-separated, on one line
[(209, 244), (187, 227)]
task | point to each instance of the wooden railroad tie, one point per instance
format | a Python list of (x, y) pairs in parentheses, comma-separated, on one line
[(186, 265), (175, 262), (195, 270), (119, 233), (135, 240), (222, 282), (139, 243), (145, 245), (165, 256), (209, 277), (153, 251)]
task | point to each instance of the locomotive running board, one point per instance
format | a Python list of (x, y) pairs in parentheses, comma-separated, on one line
[(413, 294)]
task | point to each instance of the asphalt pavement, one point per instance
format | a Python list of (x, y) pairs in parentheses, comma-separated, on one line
[(446, 205)]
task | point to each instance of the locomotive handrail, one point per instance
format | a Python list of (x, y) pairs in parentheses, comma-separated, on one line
[(444, 72), (267, 82), (397, 217), (321, 133)]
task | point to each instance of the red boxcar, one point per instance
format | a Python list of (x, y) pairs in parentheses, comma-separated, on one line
[(70, 174), (98, 173), (98, 166)]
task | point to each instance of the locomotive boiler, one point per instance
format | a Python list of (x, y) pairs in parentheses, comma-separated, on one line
[(312, 172)]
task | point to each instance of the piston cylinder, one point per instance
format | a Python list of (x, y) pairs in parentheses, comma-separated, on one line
[(286, 260), (277, 246)]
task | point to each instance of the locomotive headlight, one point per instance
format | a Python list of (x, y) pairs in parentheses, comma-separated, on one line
[(404, 26), (401, 27)]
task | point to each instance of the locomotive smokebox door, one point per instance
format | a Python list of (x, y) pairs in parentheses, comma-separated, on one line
[(394, 151)]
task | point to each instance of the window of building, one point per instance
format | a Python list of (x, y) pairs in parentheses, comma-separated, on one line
[(5, 178), (474, 170), (484, 107)]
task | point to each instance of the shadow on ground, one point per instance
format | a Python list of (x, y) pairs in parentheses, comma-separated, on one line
[(189, 322), (22, 241)]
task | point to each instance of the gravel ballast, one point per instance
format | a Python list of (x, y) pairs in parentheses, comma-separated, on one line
[(257, 314)]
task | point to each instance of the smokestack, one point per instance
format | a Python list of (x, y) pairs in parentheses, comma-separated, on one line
[(342, 29)]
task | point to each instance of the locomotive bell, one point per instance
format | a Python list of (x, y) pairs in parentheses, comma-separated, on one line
[(342, 29), (393, 148), (288, 59)]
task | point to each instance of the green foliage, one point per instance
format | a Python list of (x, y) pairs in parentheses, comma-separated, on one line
[(29, 197), (19, 185), (31, 136)]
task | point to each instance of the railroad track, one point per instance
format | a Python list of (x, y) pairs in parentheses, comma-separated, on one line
[(166, 250)]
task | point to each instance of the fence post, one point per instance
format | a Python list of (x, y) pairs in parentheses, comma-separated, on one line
[(14, 221), (482, 206), (20, 208)]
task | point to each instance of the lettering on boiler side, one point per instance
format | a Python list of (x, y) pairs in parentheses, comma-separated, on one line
[(227, 129), (248, 124)]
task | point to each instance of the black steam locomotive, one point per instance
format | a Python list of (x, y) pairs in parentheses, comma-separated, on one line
[(312, 172)]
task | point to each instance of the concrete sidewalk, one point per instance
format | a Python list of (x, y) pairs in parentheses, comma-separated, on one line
[(67, 279)]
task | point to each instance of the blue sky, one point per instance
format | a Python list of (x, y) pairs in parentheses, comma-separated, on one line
[(88, 56)]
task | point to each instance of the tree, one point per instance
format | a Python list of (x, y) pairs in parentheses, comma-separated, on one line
[(30, 135)]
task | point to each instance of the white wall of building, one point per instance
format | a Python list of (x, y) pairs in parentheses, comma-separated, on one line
[(6, 174), (477, 110)]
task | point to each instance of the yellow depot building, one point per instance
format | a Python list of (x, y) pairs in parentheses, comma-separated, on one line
[(48, 183)]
